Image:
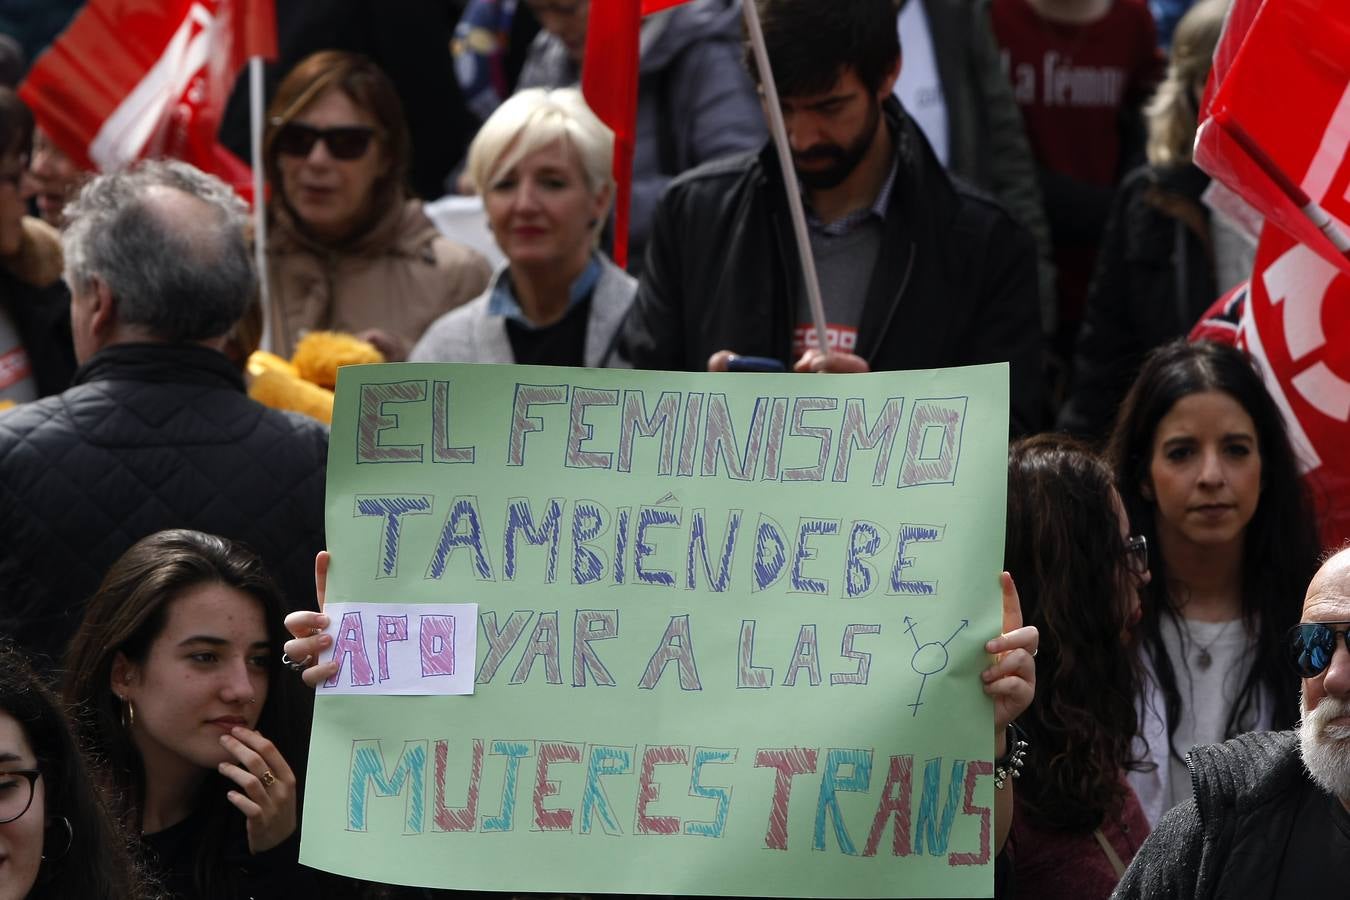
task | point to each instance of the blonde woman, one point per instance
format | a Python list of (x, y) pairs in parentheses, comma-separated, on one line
[(542, 164)]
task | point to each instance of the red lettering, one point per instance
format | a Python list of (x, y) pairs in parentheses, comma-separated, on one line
[(789, 762)]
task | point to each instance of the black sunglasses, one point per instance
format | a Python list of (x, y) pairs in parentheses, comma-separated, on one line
[(1312, 644), (343, 141)]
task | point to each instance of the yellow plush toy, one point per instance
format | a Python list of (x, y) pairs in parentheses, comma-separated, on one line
[(305, 384)]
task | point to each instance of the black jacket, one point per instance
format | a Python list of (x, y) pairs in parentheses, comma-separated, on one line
[(41, 316), (1154, 280), (1228, 840), (954, 283), (151, 436)]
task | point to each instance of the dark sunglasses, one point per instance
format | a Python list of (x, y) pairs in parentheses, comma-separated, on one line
[(1312, 644), (343, 142)]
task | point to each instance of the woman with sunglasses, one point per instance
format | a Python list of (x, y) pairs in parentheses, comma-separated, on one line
[(347, 248), (174, 670), (1203, 462), (56, 839), (542, 164), (1079, 572)]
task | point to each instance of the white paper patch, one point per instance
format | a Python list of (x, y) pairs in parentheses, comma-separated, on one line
[(390, 648)]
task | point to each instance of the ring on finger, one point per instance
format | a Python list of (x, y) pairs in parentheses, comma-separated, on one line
[(1034, 652), (267, 778), (296, 665)]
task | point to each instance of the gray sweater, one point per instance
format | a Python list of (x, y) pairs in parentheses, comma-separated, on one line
[(472, 334)]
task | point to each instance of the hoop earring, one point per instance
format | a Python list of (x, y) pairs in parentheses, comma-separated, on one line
[(128, 713), (70, 839)]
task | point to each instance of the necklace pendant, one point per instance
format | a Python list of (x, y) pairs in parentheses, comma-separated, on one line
[(1203, 659)]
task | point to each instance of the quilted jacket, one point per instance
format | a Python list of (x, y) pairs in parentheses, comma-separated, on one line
[(151, 436)]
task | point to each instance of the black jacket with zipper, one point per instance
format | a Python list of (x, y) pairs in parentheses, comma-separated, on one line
[(1227, 842), (953, 285)]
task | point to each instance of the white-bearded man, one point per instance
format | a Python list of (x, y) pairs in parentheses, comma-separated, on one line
[(1270, 816)]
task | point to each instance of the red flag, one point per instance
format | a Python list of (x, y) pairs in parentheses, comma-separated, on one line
[(1296, 324), (1277, 125), (609, 81), (131, 79)]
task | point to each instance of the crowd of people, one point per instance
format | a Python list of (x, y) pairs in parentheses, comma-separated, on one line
[(1017, 187)]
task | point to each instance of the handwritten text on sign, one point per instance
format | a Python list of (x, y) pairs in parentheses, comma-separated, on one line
[(729, 630), (385, 649)]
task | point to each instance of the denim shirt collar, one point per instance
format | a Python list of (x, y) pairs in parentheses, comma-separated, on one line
[(503, 303)]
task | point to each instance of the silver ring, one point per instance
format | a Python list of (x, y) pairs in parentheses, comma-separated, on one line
[(295, 665), (1034, 652)]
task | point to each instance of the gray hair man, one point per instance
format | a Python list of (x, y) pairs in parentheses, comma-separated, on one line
[(156, 431), (1271, 812), (156, 254)]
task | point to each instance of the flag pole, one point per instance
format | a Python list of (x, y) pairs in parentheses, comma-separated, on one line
[(780, 141), (1310, 208), (255, 108)]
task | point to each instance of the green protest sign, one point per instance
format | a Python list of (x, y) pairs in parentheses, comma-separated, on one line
[(722, 633)]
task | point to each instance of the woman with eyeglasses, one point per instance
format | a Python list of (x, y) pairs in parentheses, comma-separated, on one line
[(1205, 466), (347, 248), (1079, 572), (56, 839), (174, 672), (542, 163)]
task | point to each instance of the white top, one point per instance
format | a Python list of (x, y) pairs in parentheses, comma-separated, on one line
[(919, 86), (1207, 694)]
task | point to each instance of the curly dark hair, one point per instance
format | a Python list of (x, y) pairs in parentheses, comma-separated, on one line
[(127, 613), (98, 862), (1280, 546), (1068, 560)]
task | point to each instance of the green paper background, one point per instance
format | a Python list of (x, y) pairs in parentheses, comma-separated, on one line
[(953, 723)]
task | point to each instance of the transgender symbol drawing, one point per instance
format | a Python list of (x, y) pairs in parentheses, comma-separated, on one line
[(928, 659)]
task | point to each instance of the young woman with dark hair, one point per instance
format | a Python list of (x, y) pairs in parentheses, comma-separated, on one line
[(1079, 572), (56, 839), (1208, 476), (174, 669)]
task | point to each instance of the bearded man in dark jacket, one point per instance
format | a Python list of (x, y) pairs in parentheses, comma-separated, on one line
[(1271, 812), (157, 431), (917, 270)]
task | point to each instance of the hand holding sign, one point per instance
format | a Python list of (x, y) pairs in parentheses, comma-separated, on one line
[(306, 627), (1011, 680)]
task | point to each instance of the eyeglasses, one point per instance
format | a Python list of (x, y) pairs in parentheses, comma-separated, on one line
[(343, 141), (1312, 644), (1136, 553), (16, 793)]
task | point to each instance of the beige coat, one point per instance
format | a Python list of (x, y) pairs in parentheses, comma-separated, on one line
[(399, 277)]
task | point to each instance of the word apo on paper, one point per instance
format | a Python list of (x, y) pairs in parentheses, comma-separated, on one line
[(402, 648)]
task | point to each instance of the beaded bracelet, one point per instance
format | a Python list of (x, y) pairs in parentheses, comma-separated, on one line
[(1011, 762)]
